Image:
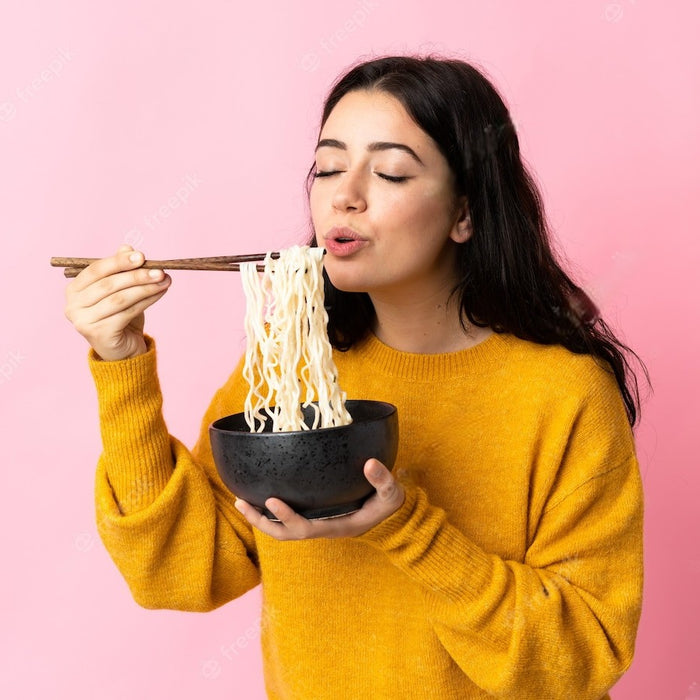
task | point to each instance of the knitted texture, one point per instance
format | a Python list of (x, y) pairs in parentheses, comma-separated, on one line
[(513, 568)]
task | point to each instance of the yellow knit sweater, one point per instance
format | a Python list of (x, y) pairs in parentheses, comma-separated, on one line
[(512, 570)]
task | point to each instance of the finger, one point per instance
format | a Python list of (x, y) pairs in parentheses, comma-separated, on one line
[(121, 299), (118, 315), (112, 284), (259, 521), (291, 525), (294, 522), (382, 479), (376, 473), (101, 321), (249, 512), (123, 260)]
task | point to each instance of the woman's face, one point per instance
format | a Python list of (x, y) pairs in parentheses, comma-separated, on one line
[(383, 203)]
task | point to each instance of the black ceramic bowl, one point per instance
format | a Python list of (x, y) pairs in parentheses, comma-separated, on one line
[(319, 472)]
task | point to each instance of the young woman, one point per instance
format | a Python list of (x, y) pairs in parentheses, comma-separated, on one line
[(503, 555)]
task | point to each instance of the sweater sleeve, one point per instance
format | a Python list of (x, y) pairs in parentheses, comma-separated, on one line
[(163, 514), (561, 623)]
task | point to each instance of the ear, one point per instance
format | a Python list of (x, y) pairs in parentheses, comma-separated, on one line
[(462, 228)]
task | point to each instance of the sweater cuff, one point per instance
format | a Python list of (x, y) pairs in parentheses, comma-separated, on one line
[(420, 541), (137, 455), (96, 362)]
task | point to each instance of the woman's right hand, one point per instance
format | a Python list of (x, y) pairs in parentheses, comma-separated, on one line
[(106, 301)]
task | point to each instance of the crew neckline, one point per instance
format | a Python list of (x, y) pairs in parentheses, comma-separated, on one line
[(485, 356)]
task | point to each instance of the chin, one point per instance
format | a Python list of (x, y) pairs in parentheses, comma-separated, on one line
[(346, 283), (349, 287)]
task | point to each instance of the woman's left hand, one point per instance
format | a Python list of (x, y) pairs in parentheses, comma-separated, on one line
[(292, 526)]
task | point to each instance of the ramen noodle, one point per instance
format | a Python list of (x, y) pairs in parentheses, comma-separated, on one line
[(289, 361)]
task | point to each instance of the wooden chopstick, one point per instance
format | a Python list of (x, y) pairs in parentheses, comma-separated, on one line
[(225, 263)]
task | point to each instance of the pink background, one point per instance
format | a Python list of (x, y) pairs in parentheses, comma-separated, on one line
[(186, 129)]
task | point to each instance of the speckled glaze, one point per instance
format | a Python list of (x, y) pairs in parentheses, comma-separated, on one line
[(317, 472)]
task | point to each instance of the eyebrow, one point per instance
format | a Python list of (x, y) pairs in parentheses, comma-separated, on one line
[(374, 146)]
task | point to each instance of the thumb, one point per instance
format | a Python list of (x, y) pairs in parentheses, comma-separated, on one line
[(380, 477)]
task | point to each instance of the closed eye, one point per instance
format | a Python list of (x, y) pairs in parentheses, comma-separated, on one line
[(390, 178), (394, 178)]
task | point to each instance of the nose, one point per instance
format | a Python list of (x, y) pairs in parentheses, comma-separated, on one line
[(350, 193)]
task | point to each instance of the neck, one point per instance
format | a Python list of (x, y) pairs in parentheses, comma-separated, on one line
[(427, 326)]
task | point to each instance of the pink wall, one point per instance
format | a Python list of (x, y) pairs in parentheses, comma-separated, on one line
[(186, 128)]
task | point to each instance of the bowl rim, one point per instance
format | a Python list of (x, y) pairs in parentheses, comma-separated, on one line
[(391, 409)]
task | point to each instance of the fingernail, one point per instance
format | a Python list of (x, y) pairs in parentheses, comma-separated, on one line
[(155, 274), (271, 506), (135, 257), (375, 469)]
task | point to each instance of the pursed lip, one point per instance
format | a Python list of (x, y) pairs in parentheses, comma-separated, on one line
[(343, 232)]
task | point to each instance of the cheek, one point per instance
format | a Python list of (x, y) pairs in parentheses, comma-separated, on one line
[(314, 205), (313, 197), (441, 202), (424, 209)]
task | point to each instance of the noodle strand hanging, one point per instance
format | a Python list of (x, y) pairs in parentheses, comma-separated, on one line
[(289, 360)]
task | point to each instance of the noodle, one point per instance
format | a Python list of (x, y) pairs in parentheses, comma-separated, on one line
[(287, 350)]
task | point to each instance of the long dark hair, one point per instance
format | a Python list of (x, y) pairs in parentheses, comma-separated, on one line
[(509, 276)]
